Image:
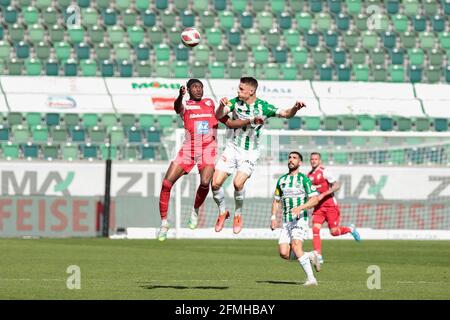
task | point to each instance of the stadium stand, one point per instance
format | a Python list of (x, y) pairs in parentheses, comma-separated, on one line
[(405, 43)]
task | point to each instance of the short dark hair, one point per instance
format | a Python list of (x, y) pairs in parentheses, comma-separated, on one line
[(192, 81), (297, 153), (251, 81), (315, 153)]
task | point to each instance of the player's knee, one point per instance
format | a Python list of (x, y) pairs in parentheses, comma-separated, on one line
[(316, 230), (166, 185), (205, 183), (238, 186), (284, 255), (335, 232), (215, 186)]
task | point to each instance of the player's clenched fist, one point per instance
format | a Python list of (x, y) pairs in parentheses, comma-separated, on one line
[(224, 102), (182, 90), (273, 224), (299, 104)]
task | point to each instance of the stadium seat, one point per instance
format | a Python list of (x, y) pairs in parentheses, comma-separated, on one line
[(433, 74), (70, 152), (331, 123), (343, 72), (441, 124), (147, 152), (284, 21), (415, 73), (181, 69), (419, 23), (342, 22), (386, 123), (366, 122), (235, 70), (50, 152), (304, 21), (349, 123), (217, 70), (187, 19), (325, 72), (312, 123)]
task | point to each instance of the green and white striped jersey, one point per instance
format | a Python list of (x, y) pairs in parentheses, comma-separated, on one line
[(293, 191), (247, 137)]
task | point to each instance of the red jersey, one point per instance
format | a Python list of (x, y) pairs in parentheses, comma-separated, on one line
[(200, 121), (322, 179)]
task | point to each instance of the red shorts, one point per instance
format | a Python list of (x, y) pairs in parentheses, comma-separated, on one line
[(204, 155), (330, 214)]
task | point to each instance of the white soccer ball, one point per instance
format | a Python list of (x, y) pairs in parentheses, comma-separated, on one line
[(190, 37)]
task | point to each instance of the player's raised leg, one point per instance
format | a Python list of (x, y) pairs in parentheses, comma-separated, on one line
[(336, 230), (219, 197), (206, 174), (239, 195), (174, 172)]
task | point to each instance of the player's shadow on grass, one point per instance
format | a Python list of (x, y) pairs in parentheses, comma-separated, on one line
[(280, 282), (151, 287)]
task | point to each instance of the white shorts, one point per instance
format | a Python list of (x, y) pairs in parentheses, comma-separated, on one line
[(294, 230), (234, 158)]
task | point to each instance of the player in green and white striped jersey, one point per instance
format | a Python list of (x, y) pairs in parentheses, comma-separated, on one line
[(243, 147), (297, 194)]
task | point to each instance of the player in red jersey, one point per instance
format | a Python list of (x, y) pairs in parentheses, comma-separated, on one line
[(327, 209), (199, 147)]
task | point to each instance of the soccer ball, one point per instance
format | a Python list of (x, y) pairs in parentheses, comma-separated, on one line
[(190, 37)]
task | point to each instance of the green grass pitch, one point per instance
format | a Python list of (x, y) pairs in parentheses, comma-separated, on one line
[(219, 269)]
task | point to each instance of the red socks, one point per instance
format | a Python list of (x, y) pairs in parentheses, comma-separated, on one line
[(164, 198), (317, 244), (200, 197), (340, 231)]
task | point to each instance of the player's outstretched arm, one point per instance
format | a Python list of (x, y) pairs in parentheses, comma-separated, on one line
[(178, 104), (273, 218), (335, 186), (289, 113), (239, 123), (223, 109)]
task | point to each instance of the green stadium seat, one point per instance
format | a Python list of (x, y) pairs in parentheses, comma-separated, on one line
[(235, 70), (56, 33), (284, 21), (435, 57), (208, 19), (392, 6), (234, 37), (325, 72), (217, 70), (389, 39), (419, 23), (273, 37), (82, 51), (181, 69), (30, 15), (116, 34), (143, 69), (342, 22), (280, 54), (353, 7), (96, 34), (16, 32), (134, 135), (366, 122), (199, 70), (221, 53), (304, 21), (312, 38), (369, 39), (351, 39), (148, 18), (447, 74), (226, 19), (343, 72), (162, 4), (271, 71), (201, 54), (71, 119), (63, 50), (108, 151), (108, 120), (433, 74), (403, 123), (22, 50), (88, 68), (331, 39), (89, 120), (162, 52), (123, 52), (386, 123), (51, 67), (102, 51), (52, 119), (358, 56), (312, 123), (10, 15), (165, 121), (142, 52), (295, 123), (181, 53), (30, 151), (39, 134), (411, 7), (415, 73), (146, 120), (349, 123), (299, 55), (168, 18), (187, 19), (214, 36), (109, 17), (361, 22), (200, 6), (76, 34), (260, 54), (50, 16), (315, 5), (15, 67), (416, 56), (319, 55), (50, 152), (153, 136), (129, 17), (397, 56), (307, 72), (162, 69), (10, 150), (70, 152), (358, 141), (78, 134), (147, 152), (339, 56), (397, 73), (135, 34), (117, 136), (33, 119), (33, 67), (265, 20), (441, 124), (20, 133), (174, 35), (70, 68), (331, 123), (408, 39), (253, 37), (438, 23), (323, 21), (427, 40), (36, 33), (127, 120)]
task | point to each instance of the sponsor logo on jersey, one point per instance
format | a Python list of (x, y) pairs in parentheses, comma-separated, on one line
[(202, 115), (202, 127), (192, 107)]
